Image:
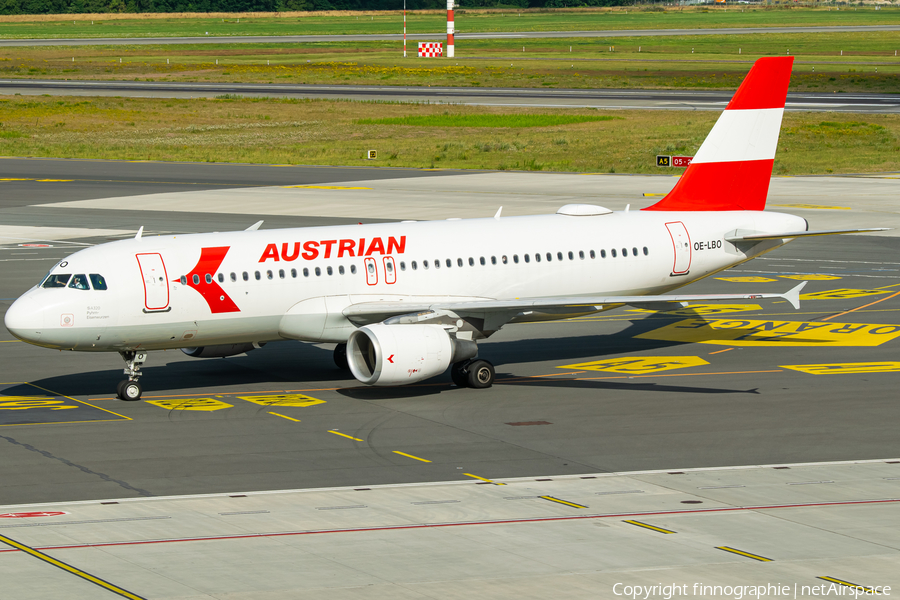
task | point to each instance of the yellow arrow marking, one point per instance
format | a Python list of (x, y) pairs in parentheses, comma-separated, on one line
[(26, 402), (198, 404), (299, 400), (636, 365)]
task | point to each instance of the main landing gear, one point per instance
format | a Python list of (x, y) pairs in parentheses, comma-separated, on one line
[(129, 389), (476, 373)]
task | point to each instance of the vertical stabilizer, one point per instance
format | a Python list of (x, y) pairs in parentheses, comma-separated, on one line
[(732, 169)]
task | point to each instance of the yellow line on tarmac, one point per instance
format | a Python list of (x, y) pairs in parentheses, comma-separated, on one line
[(552, 499), (349, 437), (411, 456), (79, 401), (644, 525), (285, 417), (69, 568), (847, 312), (742, 553), (483, 479), (869, 589)]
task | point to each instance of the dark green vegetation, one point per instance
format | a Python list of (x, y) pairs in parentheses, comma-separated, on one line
[(486, 120)]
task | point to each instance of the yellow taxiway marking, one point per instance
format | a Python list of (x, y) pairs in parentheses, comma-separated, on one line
[(646, 195), (639, 524), (54, 180), (742, 553), (349, 437), (846, 368), (9, 341), (745, 279), (812, 206), (841, 294), (736, 332), (299, 400), (411, 456), (847, 312), (34, 385), (326, 187), (643, 364), (869, 589), (483, 479), (552, 499), (284, 416), (700, 309), (26, 402), (197, 404), (810, 277), (69, 568)]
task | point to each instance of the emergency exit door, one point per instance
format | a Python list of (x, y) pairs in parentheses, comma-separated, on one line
[(156, 281), (681, 242)]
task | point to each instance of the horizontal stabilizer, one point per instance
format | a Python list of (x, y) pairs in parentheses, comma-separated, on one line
[(757, 237)]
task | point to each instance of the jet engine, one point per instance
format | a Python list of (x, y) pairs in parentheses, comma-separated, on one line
[(382, 354), (221, 351)]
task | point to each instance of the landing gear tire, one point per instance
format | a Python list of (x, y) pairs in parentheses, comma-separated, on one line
[(340, 357), (458, 374), (129, 390), (480, 374)]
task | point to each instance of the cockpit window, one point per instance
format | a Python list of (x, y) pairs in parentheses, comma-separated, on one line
[(98, 281), (79, 282), (56, 281)]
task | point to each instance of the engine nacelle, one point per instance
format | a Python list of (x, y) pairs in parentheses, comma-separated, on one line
[(382, 354), (221, 351)]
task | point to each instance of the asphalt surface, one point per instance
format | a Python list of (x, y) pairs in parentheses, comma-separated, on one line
[(595, 98), (65, 437), (299, 39)]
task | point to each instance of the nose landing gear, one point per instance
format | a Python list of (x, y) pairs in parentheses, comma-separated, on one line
[(129, 389)]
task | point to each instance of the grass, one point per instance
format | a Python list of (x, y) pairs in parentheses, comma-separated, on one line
[(330, 133), (486, 120), (868, 63), (467, 21)]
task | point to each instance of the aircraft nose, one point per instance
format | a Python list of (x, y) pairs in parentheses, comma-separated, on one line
[(24, 319)]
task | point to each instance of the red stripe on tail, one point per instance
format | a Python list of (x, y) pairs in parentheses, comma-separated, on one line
[(720, 186), (765, 86)]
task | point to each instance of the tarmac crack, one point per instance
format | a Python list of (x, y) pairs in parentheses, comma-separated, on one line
[(81, 468)]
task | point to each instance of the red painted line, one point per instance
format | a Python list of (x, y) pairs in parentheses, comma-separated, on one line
[(247, 536)]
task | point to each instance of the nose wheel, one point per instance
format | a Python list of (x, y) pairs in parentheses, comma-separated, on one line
[(129, 389)]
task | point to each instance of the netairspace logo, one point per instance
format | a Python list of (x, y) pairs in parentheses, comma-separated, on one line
[(739, 592)]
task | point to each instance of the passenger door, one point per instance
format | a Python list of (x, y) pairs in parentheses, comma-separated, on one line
[(156, 282), (681, 242)]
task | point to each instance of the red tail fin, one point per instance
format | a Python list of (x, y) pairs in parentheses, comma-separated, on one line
[(732, 169)]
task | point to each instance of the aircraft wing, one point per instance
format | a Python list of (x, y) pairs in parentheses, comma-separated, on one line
[(505, 310), (758, 237)]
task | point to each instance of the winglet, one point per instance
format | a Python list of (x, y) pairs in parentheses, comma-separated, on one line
[(497, 216), (140, 232), (254, 227), (793, 295)]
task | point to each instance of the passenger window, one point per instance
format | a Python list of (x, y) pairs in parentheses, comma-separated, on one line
[(413, 265), (221, 277), (471, 262), (233, 276), (516, 258), (269, 275), (402, 265), (437, 263), (257, 275), (493, 260), (527, 258), (482, 261), (208, 278), (98, 281), (559, 255), (549, 257), (593, 255), (353, 268), (603, 254), (294, 273), (79, 282), (646, 251), (449, 263), (503, 259), (537, 257), (246, 276), (624, 252), (581, 254), (196, 279), (318, 272), (305, 272), (613, 251), (281, 273), (459, 262), (572, 255), (341, 269), (329, 270), (634, 251), (183, 280), (424, 264)]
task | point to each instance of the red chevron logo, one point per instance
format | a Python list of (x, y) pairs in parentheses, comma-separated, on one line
[(202, 279)]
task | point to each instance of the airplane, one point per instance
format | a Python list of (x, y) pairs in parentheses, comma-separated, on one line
[(405, 301)]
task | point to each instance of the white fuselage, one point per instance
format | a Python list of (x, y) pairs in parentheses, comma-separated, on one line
[(259, 286)]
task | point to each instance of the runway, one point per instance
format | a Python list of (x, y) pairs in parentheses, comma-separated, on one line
[(300, 39), (421, 478), (565, 98)]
